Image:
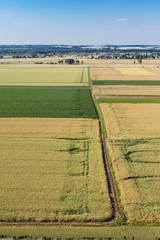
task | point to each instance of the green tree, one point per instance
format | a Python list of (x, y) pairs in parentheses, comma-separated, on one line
[(140, 61), (69, 61)]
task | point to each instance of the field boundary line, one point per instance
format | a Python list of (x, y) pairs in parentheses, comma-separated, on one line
[(82, 75), (98, 96), (109, 175)]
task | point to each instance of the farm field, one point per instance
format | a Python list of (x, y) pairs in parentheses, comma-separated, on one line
[(50, 102), (32, 75), (52, 170), (125, 73), (133, 141), (126, 90), (136, 72), (80, 233), (49, 140)]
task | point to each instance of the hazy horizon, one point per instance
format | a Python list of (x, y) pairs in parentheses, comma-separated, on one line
[(67, 22)]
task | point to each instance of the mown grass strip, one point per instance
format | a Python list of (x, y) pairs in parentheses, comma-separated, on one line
[(128, 100), (50, 102), (113, 82)]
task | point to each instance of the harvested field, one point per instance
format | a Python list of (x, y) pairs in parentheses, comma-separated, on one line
[(125, 74), (65, 102), (52, 170), (135, 72), (134, 149), (101, 71), (154, 70), (36, 76), (127, 90)]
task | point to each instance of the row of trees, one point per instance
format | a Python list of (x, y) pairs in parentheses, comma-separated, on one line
[(70, 61), (66, 61)]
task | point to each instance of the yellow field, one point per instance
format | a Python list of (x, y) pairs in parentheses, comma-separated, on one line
[(48, 128), (154, 70), (135, 72), (124, 73), (126, 90), (24, 75), (134, 149), (52, 170)]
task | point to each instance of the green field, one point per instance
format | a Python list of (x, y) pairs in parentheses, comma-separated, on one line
[(123, 100), (121, 82), (43, 76), (50, 102)]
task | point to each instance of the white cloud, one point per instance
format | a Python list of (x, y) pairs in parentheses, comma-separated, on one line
[(122, 20), (37, 22)]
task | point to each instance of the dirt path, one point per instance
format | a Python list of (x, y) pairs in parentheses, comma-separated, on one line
[(110, 182), (125, 97)]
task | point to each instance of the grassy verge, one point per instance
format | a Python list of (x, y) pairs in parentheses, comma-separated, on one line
[(128, 100), (103, 135), (114, 82)]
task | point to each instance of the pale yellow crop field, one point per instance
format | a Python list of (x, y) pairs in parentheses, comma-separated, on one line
[(134, 121), (126, 90), (95, 72), (49, 128), (125, 73), (16, 75), (154, 70), (52, 170), (134, 148), (135, 72)]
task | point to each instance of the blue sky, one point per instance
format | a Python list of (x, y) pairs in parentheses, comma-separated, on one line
[(80, 22)]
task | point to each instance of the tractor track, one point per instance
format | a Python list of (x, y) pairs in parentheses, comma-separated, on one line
[(110, 183)]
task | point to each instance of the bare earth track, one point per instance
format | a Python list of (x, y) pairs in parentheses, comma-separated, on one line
[(110, 182)]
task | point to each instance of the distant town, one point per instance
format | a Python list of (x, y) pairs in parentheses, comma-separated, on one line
[(86, 51)]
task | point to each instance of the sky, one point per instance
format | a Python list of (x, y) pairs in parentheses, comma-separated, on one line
[(80, 22)]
